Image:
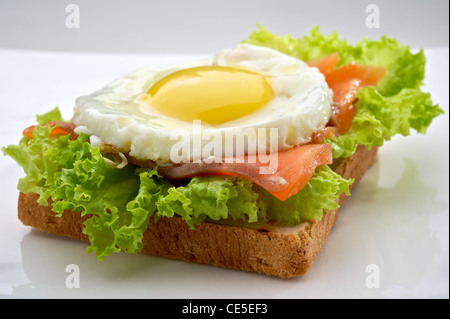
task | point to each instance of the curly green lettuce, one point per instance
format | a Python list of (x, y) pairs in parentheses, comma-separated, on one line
[(379, 118), (404, 68)]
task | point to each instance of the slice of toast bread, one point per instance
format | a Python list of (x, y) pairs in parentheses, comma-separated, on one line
[(277, 251)]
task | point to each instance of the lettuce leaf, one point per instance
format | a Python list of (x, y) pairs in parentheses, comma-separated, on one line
[(379, 118), (212, 197), (75, 176), (404, 68), (53, 115), (313, 46)]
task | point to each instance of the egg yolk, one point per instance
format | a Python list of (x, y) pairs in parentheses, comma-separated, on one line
[(212, 94)]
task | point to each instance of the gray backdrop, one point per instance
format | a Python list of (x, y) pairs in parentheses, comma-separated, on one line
[(200, 26)]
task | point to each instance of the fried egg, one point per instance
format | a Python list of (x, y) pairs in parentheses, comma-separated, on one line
[(247, 87)]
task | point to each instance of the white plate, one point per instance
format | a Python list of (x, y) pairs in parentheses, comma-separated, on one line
[(395, 225)]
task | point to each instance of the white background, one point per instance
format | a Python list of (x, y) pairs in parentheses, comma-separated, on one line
[(397, 218)]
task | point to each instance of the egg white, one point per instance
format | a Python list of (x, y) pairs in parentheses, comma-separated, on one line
[(117, 115)]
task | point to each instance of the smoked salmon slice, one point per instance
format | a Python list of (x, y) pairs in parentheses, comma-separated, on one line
[(59, 128), (345, 82), (368, 75), (292, 170), (325, 64), (298, 165), (344, 109)]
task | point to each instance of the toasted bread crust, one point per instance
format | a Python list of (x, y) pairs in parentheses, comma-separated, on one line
[(282, 252)]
